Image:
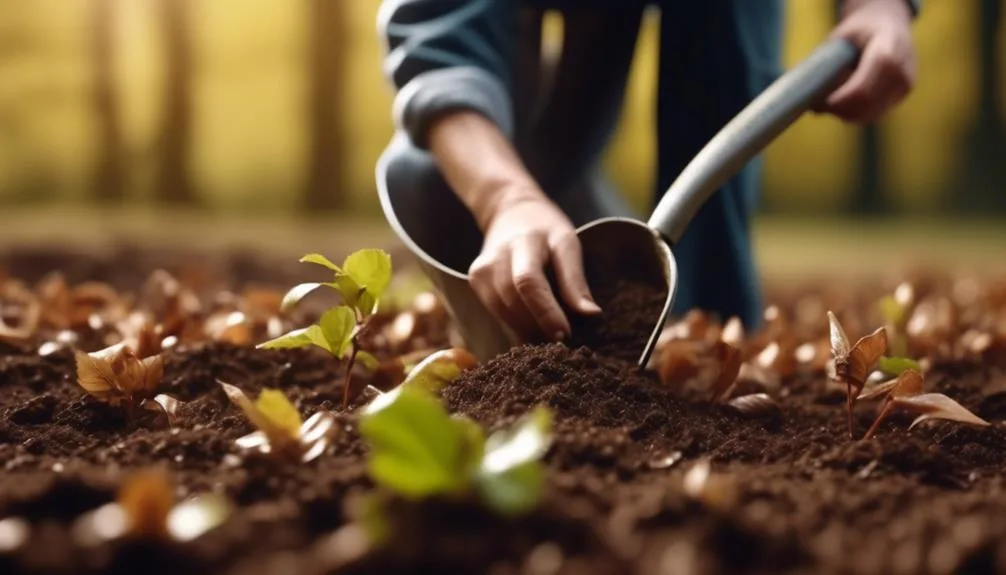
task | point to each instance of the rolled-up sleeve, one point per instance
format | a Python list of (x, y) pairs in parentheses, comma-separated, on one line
[(444, 55)]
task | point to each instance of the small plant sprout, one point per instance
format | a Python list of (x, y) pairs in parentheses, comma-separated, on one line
[(418, 450), (281, 433), (906, 392), (117, 376), (854, 363), (360, 281), (896, 308), (145, 508)]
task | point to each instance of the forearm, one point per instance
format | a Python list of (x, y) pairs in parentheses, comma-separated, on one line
[(480, 164)]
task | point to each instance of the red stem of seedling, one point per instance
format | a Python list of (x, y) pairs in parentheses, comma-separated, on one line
[(888, 405)]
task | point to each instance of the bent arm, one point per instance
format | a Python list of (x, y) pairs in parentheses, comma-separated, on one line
[(452, 62), (449, 55)]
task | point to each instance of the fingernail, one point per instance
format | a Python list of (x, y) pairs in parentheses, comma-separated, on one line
[(589, 306), (559, 336)]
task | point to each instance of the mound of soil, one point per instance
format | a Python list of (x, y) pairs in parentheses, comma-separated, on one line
[(789, 492)]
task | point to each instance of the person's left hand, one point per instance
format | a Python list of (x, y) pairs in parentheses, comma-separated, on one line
[(886, 70)]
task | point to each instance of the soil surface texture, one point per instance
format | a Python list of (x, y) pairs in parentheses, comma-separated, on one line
[(641, 477)]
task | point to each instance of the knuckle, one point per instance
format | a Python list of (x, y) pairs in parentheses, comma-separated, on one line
[(526, 283)]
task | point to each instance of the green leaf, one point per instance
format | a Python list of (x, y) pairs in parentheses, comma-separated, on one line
[(514, 492), (510, 475), (439, 368), (896, 365), (299, 292), (368, 360), (892, 311), (275, 407), (320, 260), (370, 269), (416, 448), (337, 326), (297, 338)]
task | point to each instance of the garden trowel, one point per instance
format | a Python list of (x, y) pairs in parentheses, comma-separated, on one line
[(437, 229), (626, 247)]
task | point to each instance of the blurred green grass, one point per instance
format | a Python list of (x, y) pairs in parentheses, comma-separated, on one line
[(786, 247)]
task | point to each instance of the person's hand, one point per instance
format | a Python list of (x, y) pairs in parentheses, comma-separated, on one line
[(886, 70), (521, 239)]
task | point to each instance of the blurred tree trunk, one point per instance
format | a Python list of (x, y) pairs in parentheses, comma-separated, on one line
[(326, 189), (174, 184), (985, 176), (108, 182)]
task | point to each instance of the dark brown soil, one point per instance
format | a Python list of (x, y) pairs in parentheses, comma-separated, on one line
[(808, 500), (629, 312)]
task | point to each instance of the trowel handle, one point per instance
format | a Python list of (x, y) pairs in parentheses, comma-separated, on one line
[(749, 132)]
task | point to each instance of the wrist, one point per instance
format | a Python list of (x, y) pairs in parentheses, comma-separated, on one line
[(480, 165)]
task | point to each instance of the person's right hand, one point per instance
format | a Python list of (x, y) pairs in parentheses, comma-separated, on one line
[(522, 238)]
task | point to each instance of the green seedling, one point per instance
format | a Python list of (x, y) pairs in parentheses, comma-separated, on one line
[(280, 431), (896, 310), (906, 392), (895, 366), (853, 363), (117, 376), (361, 280), (418, 450)]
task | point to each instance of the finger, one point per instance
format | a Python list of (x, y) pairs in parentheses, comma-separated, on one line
[(567, 260), (514, 311), (852, 99), (481, 276), (529, 257)]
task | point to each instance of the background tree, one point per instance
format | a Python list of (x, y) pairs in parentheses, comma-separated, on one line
[(173, 184), (326, 183), (108, 179)]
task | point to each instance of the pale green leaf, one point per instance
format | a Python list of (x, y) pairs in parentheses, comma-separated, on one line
[(515, 491), (368, 360), (892, 311), (275, 407), (894, 366), (416, 449), (370, 269), (337, 326), (302, 337), (440, 368), (510, 476), (299, 292), (320, 260), (526, 441)]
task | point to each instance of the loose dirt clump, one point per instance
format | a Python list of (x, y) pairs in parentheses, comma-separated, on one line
[(629, 312)]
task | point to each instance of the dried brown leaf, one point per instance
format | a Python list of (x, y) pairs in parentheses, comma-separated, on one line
[(147, 498), (756, 405), (728, 360), (679, 361), (937, 406), (116, 375), (854, 363)]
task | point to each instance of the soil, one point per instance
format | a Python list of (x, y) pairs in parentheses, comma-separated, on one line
[(789, 491), (629, 311)]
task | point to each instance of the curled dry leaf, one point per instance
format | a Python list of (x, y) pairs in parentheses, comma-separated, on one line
[(679, 361), (440, 368), (20, 312), (728, 362), (756, 405), (145, 508), (716, 491), (281, 433), (853, 364), (905, 393), (117, 376)]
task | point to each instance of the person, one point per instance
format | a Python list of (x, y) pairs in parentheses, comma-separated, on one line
[(516, 140)]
